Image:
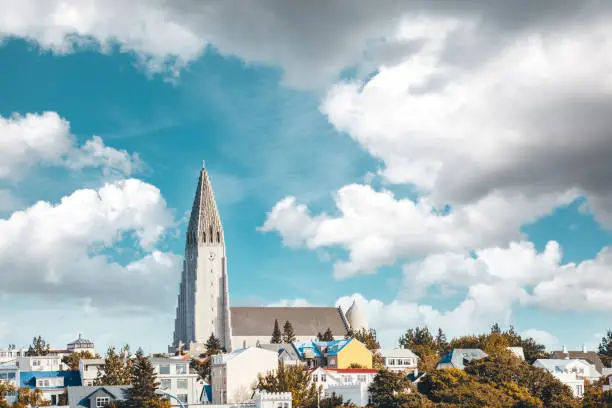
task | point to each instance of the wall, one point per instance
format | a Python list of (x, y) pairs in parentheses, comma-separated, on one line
[(356, 393), (242, 372), (354, 353)]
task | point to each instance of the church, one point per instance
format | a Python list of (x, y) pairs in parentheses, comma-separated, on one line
[(203, 301)]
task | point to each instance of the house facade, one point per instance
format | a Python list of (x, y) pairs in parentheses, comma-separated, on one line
[(234, 374), (571, 372), (9, 373), (89, 369), (81, 344), (175, 378), (9, 354), (334, 354), (399, 359), (95, 397), (350, 383)]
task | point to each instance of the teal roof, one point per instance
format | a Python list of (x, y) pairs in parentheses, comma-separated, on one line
[(320, 348)]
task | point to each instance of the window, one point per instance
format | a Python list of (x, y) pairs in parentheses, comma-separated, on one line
[(102, 402), (182, 397), (579, 390), (391, 361), (347, 379), (182, 384), (181, 369), (165, 384), (361, 378), (323, 377), (35, 363), (315, 378), (164, 368)]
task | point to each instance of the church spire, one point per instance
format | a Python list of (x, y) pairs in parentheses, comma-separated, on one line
[(204, 222)]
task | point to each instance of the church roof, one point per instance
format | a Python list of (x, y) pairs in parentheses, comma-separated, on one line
[(306, 321), (204, 222)]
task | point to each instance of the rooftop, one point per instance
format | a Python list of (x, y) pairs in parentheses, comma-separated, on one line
[(306, 321)]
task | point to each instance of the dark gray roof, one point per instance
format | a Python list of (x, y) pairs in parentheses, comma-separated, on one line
[(590, 356), (78, 396), (306, 321), (286, 348)]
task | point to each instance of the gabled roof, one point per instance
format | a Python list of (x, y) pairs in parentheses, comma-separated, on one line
[(306, 321), (458, 357), (79, 396), (320, 348), (397, 353), (282, 348), (589, 356)]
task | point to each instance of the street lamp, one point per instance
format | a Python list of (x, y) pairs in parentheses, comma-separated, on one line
[(158, 391)]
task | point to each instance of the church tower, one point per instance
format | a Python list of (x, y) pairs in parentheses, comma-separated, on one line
[(203, 299)]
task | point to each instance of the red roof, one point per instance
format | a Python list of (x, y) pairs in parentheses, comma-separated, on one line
[(354, 370)]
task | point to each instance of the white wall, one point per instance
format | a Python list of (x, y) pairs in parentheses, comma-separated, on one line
[(39, 363), (170, 382), (356, 393)]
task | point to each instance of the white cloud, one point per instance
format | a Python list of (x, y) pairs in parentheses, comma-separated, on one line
[(291, 303), (45, 140), (543, 337), (62, 250)]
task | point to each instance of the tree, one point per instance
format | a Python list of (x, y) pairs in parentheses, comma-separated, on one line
[(213, 345), (144, 384), (277, 337), (72, 360), (5, 389), (605, 348), (495, 328), (417, 337), (117, 370), (594, 395), (27, 397), (368, 339), (39, 347), (294, 379), (288, 333), (203, 365), (327, 336), (441, 342), (389, 389)]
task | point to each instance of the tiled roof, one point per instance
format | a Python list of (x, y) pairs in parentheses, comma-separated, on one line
[(306, 321)]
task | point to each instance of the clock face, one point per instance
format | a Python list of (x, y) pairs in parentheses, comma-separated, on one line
[(211, 256)]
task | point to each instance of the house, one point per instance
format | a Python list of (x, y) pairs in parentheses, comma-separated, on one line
[(264, 399), (96, 397), (11, 354), (590, 356), (350, 383), (458, 358), (334, 354), (51, 383), (9, 373), (80, 345), (286, 353), (571, 372), (399, 359), (175, 378), (234, 374), (89, 369), (40, 363)]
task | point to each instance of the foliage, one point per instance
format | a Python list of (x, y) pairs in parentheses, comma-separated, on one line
[(277, 337), (294, 379), (389, 389), (605, 348), (327, 336), (27, 397), (369, 340), (117, 370), (142, 392), (288, 333), (441, 342), (72, 359), (595, 397), (39, 347), (417, 337), (428, 360), (203, 365), (5, 389)]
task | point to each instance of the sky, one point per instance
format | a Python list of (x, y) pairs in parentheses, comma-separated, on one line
[(442, 163)]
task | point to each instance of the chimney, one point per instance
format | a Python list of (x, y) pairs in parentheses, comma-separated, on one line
[(584, 349), (416, 373), (565, 349)]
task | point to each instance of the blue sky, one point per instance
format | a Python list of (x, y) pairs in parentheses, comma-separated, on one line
[(331, 162)]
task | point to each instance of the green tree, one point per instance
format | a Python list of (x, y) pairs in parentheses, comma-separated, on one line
[(277, 336), (117, 369), (389, 389), (605, 348), (594, 395), (441, 342), (421, 336), (294, 379), (27, 397), (213, 345), (288, 333), (39, 347), (72, 360), (5, 389), (202, 365), (495, 328), (327, 336), (369, 340), (144, 384)]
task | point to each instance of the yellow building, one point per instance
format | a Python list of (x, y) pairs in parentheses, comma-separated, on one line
[(338, 354)]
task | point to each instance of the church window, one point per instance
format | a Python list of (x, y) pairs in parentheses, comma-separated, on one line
[(218, 237), (211, 234), (203, 236)]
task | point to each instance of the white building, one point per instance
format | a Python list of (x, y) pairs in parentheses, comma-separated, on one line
[(399, 359), (9, 373), (234, 375), (264, 399), (175, 378), (89, 369), (81, 344), (203, 306), (11, 354), (349, 383), (571, 372), (40, 363)]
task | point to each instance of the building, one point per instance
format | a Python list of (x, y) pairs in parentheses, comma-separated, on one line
[(399, 359), (175, 379), (89, 369), (40, 363), (458, 358), (81, 344), (234, 374), (203, 306), (96, 397), (349, 383), (571, 372), (9, 373), (51, 383), (11, 354), (262, 399), (286, 353), (334, 354), (590, 356)]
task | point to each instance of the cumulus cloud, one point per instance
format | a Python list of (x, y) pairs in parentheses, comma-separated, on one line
[(291, 303), (63, 250), (543, 337), (44, 139), (301, 38)]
